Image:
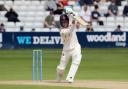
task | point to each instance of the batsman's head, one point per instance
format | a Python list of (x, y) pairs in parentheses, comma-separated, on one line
[(64, 21)]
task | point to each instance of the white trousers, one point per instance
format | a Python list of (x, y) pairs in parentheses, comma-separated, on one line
[(76, 56)]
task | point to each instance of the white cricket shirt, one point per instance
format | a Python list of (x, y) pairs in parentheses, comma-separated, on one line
[(69, 38)]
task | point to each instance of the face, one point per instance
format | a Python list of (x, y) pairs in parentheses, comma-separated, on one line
[(65, 24), (51, 13), (113, 2), (85, 8)]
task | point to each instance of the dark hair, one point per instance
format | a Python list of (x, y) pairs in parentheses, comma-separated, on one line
[(21, 28), (113, 1), (96, 6), (33, 29), (1, 24), (118, 26)]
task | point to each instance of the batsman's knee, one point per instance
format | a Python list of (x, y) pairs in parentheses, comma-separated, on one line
[(62, 64), (61, 67), (77, 60)]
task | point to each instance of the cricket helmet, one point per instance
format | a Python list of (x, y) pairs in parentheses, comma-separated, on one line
[(64, 19)]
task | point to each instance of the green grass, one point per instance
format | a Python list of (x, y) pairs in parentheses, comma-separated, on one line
[(96, 64), (35, 87)]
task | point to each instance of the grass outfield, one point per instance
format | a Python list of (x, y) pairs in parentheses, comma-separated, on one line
[(96, 64), (35, 87)]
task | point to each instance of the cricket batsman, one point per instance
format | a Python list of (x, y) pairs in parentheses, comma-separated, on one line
[(71, 48)]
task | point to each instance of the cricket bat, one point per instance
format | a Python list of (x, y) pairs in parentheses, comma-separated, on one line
[(75, 15)]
